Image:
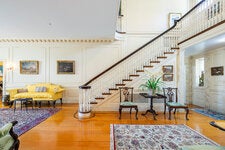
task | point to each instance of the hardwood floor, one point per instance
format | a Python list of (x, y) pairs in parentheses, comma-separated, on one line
[(64, 132)]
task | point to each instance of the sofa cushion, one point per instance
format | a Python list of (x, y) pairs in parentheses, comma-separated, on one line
[(34, 95)]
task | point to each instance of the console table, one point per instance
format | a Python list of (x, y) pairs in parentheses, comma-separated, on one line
[(151, 97)]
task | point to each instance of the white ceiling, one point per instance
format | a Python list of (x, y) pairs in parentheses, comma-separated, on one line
[(207, 45), (77, 19)]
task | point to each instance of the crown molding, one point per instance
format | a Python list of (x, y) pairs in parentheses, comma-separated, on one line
[(56, 40)]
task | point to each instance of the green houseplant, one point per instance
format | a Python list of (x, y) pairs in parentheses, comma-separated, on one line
[(152, 83)]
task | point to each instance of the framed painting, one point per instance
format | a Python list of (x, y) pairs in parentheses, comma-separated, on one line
[(65, 67), (167, 77), (167, 69), (173, 17), (217, 71), (29, 67)]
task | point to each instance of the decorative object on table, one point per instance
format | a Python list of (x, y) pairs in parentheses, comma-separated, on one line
[(26, 119), (210, 113), (124, 136), (167, 69), (173, 17), (172, 101), (29, 67), (8, 139), (66, 67), (152, 83), (126, 100), (201, 79), (167, 77), (217, 71)]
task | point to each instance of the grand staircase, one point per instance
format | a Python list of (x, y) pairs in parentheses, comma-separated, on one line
[(205, 16)]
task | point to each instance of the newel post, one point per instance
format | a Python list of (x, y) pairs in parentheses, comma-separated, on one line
[(84, 110)]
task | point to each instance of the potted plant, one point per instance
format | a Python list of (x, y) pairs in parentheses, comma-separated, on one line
[(152, 83)]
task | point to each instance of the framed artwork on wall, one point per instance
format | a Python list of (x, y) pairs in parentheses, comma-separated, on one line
[(173, 17), (29, 67), (65, 67), (167, 69), (167, 77), (217, 71)]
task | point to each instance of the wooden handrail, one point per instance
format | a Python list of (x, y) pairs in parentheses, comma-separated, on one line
[(131, 54)]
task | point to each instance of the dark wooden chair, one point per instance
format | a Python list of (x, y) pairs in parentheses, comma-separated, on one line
[(172, 101), (126, 100)]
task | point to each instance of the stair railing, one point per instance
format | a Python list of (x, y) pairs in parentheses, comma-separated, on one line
[(205, 15)]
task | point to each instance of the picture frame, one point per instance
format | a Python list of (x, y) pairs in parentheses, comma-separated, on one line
[(173, 17), (217, 71), (1, 70), (168, 69), (29, 67), (65, 67), (167, 77)]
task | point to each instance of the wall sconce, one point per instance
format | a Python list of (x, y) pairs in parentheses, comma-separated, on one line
[(10, 67)]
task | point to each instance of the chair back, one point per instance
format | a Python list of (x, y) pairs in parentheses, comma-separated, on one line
[(171, 94), (126, 94)]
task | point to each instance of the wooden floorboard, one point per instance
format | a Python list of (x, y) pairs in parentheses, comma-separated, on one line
[(64, 132)]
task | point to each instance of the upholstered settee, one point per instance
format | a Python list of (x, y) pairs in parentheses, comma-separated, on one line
[(38, 92), (8, 138)]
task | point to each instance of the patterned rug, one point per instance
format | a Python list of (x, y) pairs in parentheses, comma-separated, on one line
[(26, 119), (155, 137), (209, 113)]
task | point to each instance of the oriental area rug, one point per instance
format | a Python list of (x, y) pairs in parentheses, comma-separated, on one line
[(210, 113), (155, 137), (26, 119)]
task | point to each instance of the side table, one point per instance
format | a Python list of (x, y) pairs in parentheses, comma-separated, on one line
[(23, 101)]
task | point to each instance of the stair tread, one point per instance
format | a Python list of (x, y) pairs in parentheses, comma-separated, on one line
[(113, 89), (161, 57), (148, 66), (120, 84), (175, 48), (168, 52), (106, 93), (99, 98), (154, 61), (140, 71), (134, 75), (127, 79)]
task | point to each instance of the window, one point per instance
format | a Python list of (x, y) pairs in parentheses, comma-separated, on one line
[(199, 72)]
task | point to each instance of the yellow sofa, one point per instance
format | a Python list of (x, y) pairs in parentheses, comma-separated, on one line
[(38, 92)]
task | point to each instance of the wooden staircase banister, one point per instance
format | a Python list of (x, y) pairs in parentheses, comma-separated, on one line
[(131, 54), (134, 52)]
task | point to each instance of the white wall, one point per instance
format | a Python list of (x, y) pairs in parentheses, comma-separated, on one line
[(151, 16), (90, 59)]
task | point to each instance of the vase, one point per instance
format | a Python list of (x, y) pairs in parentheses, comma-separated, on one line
[(152, 92)]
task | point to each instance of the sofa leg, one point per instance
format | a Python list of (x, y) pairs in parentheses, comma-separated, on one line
[(61, 101), (54, 104), (39, 104)]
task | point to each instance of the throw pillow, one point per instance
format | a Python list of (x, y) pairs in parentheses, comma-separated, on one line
[(40, 89), (22, 90)]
